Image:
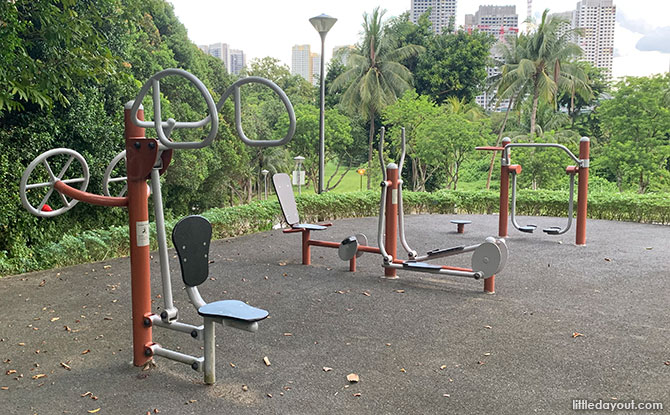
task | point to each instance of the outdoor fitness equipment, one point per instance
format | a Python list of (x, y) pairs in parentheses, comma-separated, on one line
[(146, 159), (488, 258), (581, 169)]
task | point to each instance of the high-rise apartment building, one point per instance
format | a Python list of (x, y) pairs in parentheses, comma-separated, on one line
[(497, 21), (316, 67), (596, 18), (238, 61), (233, 59), (342, 53), (442, 13), (500, 22), (301, 63)]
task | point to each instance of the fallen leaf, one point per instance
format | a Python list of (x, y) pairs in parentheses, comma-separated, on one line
[(40, 376), (108, 318), (92, 411), (399, 291), (481, 363), (86, 351), (352, 377), (4, 388), (281, 264), (575, 334), (487, 354), (231, 364), (446, 395), (156, 411), (288, 334), (22, 344), (245, 388), (402, 369), (10, 372), (357, 394), (365, 293), (266, 360), (667, 363), (443, 367), (42, 283), (55, 319), (86, 394), (65, 365), (269, 395), (106, 266), (328, 369), (649, 248)]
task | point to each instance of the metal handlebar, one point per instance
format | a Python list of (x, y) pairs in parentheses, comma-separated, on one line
[(381, 153), (505, 154), (170, 124), (164, 128)]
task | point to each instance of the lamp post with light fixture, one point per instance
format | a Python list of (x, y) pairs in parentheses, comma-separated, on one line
[(322, 23)]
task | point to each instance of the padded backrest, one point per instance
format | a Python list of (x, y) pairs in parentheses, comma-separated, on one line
[(191, 237), (284, 191)]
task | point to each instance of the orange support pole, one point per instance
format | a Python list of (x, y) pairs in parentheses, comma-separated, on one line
[(504, 193), (306, 251), (391, 240), (490, 285), (141, 155), (582, 190)]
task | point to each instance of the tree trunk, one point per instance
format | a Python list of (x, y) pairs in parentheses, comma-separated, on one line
[(533, 113), (372, 134)]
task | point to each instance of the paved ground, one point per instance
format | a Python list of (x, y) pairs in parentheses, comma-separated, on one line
[(566, 323)]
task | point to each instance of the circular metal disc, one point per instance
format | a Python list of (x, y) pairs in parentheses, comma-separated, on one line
[(362, 240), (504, 252), (348, 248), (487, 259)]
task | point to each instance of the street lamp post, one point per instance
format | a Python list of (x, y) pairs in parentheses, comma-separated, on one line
[(361, 172), (322, 23), (265, 182)]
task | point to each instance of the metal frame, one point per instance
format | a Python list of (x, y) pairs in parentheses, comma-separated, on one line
[(147, 159)]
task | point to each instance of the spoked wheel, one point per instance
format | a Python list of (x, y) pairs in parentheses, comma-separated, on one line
[(115, 179), (37, 196)]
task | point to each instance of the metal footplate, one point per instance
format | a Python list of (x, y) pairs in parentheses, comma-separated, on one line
[(527, 228), (552, 230), (420, 266), (440, 251)]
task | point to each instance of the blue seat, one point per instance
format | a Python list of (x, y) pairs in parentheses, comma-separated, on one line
[(232, 309)]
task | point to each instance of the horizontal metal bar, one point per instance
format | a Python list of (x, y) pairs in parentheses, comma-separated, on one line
[(444, 271), (448, 253), (157, 350), (175, 325)]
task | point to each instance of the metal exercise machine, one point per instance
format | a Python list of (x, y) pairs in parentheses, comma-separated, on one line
[(581, 169), (488, 258), (146, 159)]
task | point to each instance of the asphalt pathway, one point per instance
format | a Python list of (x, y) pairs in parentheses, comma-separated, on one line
[(566, 323)]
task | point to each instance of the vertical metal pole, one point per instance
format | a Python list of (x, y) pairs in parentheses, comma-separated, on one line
[(138, 222), (504, 192), (210, 350), (322, 141), (306, 252), (490, 285), (391, 240), (582, 190), (170, 311)]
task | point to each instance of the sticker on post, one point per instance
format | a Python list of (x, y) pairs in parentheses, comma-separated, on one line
[(394, 196), (142, 232)]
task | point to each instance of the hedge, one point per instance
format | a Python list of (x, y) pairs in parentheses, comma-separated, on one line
[(101, 244)]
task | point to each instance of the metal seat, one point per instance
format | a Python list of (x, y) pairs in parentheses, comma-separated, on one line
[(191, 237), (284, 191)]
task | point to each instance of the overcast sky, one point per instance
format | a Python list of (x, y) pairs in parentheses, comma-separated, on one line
[(271, 27)]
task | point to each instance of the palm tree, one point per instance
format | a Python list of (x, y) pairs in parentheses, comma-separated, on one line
[(374, 78), (543, 55)]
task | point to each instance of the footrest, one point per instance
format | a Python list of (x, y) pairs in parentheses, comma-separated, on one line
[(444, 250), (553, 230), (528, 228), (309, 227), (232, 309), (420, 265)]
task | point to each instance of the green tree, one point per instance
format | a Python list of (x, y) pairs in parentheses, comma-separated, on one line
[(634, 149), (375, 77)]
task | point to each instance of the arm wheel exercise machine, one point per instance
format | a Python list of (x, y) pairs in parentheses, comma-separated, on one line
[(146, 159)]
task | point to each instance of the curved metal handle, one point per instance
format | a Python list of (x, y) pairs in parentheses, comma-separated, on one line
[(234, 89), (402, 150), (170, 124)]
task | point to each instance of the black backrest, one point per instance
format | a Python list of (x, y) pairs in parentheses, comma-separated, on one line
[(191, 237), (284, 191)]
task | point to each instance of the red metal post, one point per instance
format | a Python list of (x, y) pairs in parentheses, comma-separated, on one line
[(138, 155), (582, 191), (504, 193), (306, 251), (352, 264), (391, 240), (490, 285)]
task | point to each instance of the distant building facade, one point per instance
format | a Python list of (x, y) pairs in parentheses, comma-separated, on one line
[(233, 59), (316, 67), (442, 13), (301, 62), (596, 20), (499, 22), (342, 53)]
